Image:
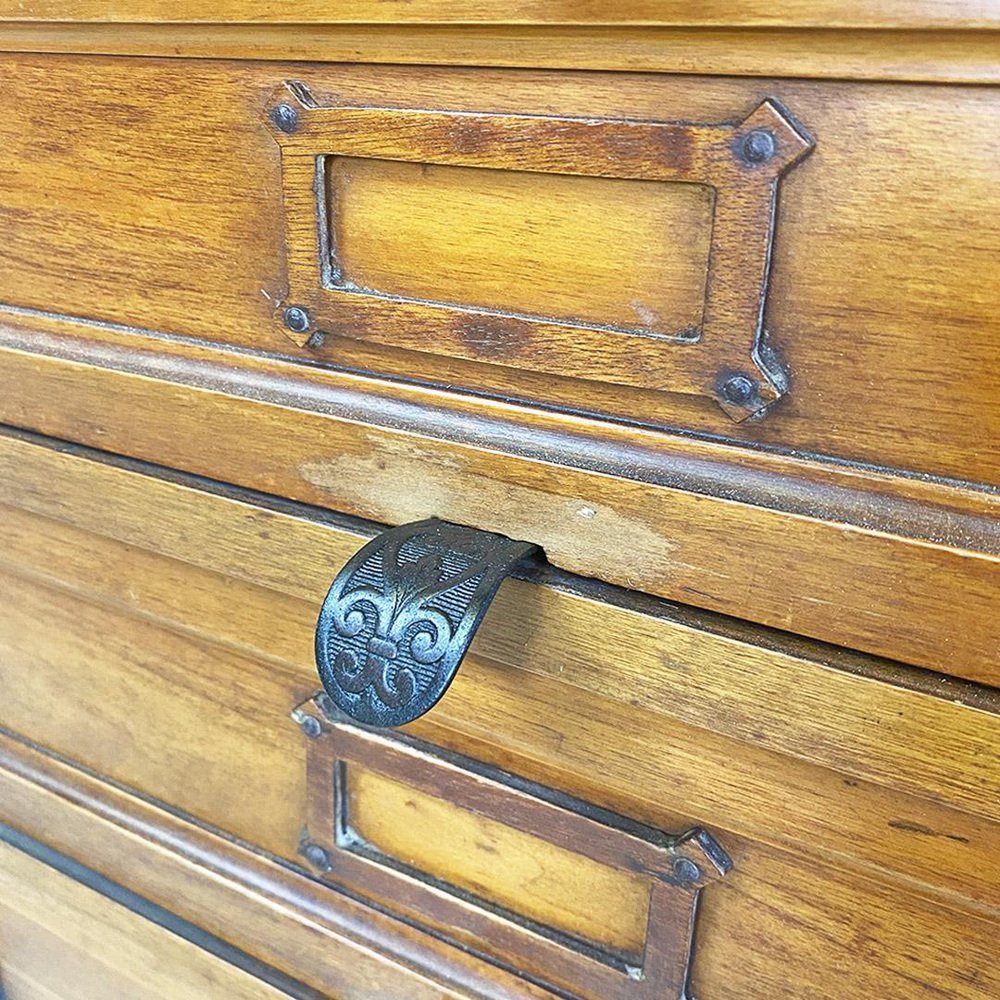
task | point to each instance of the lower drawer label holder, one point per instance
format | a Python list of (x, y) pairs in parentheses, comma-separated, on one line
[(574, 897)]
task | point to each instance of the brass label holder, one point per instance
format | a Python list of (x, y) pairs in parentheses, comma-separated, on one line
[(726, 358), (678, 867)]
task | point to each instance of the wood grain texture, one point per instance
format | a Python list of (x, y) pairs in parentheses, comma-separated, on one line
[(929, 601), (701, 336), (875, 301), (787, 921), (942, 56), (511, 241), (903, 772), (250, 565), (555, 886), (696, 775), (783, 13), (59, 938), (329, 941), (649, 967)]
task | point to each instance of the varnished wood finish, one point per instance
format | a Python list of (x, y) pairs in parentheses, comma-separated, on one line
[(790, 897), (192, 660), (943, 56), (328, 941), (875, 301), (227, 560), (61, 939), (781, 13), (689, 342), (556, 887), (535, 250), (650, 242), (641, 950)]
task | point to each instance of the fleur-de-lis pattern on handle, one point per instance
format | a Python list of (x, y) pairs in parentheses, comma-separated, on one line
[(401, 614)]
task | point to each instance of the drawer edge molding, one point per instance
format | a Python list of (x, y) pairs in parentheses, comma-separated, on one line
[(919, 55), (155, 914), (614, 505)]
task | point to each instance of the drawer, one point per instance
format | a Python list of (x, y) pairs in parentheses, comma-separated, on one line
[(585, 242), (62, 938), (855, 797), (463, 357)]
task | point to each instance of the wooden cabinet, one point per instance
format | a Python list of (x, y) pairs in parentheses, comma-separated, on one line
[(706, 316)]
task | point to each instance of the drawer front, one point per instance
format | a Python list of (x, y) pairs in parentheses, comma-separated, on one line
[(60, 938), (496, 298), (594, 243), (177, 646)]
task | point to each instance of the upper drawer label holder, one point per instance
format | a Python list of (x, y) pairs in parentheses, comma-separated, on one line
[(722, 355)]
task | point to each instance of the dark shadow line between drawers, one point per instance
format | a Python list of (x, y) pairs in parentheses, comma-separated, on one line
[(155, 914)]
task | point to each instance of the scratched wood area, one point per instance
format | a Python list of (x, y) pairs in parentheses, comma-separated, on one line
[(908, 730), (62, 939), (893, 566), (877, 299)]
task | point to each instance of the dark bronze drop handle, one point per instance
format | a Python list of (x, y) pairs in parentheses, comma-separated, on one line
[(401, 614)]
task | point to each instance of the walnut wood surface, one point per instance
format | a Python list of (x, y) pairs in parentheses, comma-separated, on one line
[(783, 13), (833, 566), (876, 298), (61, 939), (935, 55)]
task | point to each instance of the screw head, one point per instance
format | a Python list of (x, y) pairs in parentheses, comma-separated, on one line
[(284, 118), (296, 319), (758, 146), (685, 870), (317, 857), (311, 726), (738, 389)]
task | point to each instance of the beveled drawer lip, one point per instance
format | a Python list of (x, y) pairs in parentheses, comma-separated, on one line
[(822, 518)]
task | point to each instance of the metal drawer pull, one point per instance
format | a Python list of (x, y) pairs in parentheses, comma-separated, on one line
[(401, 614)]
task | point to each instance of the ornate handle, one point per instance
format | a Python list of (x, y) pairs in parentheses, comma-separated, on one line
[(401, 614)]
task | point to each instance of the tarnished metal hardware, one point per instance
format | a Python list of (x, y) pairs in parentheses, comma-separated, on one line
[(401, 614), (741, 159), (336, 842)]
